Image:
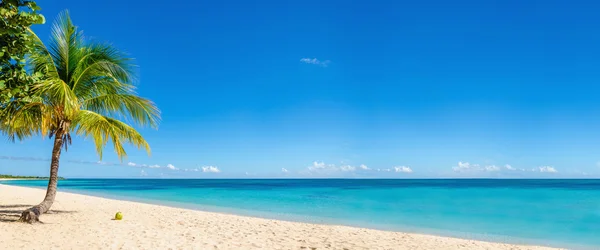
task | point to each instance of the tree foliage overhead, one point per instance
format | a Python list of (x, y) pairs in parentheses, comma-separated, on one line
[(16, 43)]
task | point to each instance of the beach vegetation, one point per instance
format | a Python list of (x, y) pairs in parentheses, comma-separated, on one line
[(25, 177), (16, 44)]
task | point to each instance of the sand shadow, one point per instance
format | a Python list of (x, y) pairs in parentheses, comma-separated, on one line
[(9, 217), (12, 213), (15, 206), (61, 212)]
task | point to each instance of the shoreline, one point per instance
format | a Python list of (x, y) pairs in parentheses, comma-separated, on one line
[(195, 228), (502, 239)]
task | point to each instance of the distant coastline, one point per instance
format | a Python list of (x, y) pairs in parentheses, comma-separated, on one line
[(6, 177)]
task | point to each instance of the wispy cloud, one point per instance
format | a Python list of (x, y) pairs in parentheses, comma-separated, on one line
[(465, 167), (321, 167), (315, 61), (470, 169), (324, 169), (347, 168), (210, 169), (492, 168), (403, 169), (19, 158), (284, 170), (143, 173), (548, 169), (170, 166), (207, 169)]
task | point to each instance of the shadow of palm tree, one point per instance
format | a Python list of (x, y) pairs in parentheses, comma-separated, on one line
[(9, 212), (12, 215), (9, 218), (15, 206), (60, 212)]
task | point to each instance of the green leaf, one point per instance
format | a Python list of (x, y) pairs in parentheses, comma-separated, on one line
[(2, 85), (40, 19), (34, 6)]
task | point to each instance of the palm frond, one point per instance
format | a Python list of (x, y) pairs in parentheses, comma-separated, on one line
[(102, 129), (41, 59), (66, 45), (59, 95), (101, 61), (126, 106), (22, 118)]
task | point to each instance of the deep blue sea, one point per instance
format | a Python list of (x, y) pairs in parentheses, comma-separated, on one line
[(563, 213)]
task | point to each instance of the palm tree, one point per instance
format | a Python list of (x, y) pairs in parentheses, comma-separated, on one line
[(86, 89)]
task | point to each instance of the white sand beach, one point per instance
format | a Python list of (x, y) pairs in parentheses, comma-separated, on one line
[(85, 222)]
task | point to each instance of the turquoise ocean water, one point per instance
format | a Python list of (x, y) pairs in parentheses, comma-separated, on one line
[(562, 213)]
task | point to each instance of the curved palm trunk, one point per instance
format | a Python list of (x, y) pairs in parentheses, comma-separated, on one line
[(32, 214)]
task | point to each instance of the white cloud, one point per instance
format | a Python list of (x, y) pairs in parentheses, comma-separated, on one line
[(143, 173), (210, 169), (548, 169), (465, 166), (315, 61), (170, 166), (403, 169), (492, 168), (322, 168), (469, 167), (347, 168), (284, 170), (131, 164), (317, 166), (154, 166), (101, 163)]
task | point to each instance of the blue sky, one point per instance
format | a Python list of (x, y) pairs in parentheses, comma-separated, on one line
[(389, 89)]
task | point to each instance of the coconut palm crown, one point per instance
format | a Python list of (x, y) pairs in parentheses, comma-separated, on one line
[(86, 89)]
